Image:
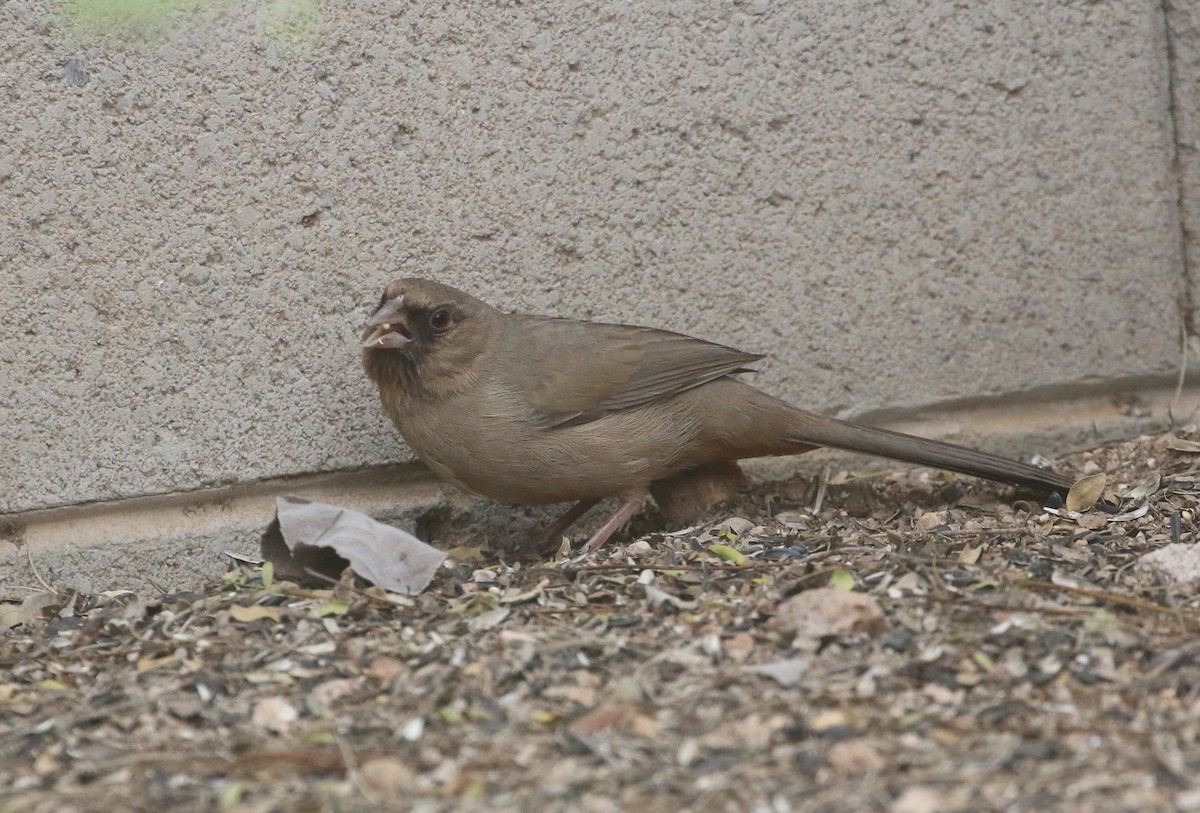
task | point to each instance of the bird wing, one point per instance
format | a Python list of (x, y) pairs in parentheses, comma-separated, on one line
[(577, 372)]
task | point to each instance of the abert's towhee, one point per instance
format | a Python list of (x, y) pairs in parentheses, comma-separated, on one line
[(537, 410)]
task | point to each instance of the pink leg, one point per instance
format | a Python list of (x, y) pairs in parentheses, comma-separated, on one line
[(569, 517), (620, 517)]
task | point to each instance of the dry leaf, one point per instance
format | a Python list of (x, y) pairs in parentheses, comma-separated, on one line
[(1181, 445), (10, 614), (1127, 516), (325, 537), (34, 609), (390, 777), (785, 672), (751, 732), (930, 520), (826, 611), (970, 555), (254, 612), (324, 695), (488, 620), (605, 717), (384, 669), (854, 757), (1144, 489), (1092, 520), (1086, 491), (739, 646)]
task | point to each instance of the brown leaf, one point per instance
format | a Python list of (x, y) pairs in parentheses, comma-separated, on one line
[(384, 669), (1086, 491), (1181, 445), (970, 555), (604, 717), (825, 611), (1093, 520), (854, 757), (750, 732), (390, 777), (738, 647)]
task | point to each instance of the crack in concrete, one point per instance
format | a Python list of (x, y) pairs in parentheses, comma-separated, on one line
[(1187, 305)]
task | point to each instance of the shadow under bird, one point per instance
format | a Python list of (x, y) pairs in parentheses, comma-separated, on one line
[(536, 410)]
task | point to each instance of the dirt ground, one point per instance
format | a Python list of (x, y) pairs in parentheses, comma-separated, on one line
[(916, 643)]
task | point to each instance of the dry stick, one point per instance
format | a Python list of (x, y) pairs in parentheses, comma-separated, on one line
[(671, 568), (1111, 598), (339, 583), (822, 489), (815, 556), (587, 608), (1183, 354), (962, 601), (352, 769), (36, 575), (326, 760)]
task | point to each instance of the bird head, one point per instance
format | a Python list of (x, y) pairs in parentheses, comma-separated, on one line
[(424, 324)]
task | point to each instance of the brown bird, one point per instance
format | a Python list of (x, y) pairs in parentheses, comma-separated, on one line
[(537, 410)]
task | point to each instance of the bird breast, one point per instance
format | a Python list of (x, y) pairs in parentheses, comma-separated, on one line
[(488, 442)]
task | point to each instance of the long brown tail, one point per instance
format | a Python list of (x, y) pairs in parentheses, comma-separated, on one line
[(853, 437)]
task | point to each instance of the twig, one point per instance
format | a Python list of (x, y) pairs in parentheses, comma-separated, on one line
[(324, 760), (587, 608), (352, 769), (1183, 354), (822, 490), (963, 601), (1110, 598), (36, 575), (689, 568)]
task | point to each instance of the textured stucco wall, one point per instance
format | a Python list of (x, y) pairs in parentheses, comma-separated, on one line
[(902, 202)]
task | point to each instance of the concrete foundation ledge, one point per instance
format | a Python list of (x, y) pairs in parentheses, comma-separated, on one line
[(174, 541)]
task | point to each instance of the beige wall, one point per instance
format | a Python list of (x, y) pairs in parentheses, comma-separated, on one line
[(905, 204)]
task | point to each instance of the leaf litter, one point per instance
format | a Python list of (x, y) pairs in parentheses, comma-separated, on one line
[(920, 642)]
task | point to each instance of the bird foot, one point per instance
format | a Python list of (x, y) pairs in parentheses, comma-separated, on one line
[(612, 524)]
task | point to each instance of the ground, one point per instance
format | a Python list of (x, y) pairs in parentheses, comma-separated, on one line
[(916, 643)]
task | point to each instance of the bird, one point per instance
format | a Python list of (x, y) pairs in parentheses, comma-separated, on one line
[(536, 410)]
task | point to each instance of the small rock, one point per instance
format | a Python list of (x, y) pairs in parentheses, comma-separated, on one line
[(274, 714), (738, 647), (1176, 562), (917, 799), (854, 757), (639, 547), (76, 73), (930, 520)]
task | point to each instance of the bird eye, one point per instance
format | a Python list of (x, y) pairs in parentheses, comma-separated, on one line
[(439, 319)]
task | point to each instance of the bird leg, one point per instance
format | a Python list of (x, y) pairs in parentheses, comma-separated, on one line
[(628, 508), (569, 518)]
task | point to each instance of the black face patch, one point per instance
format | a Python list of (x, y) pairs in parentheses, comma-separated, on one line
[(419, 321)]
